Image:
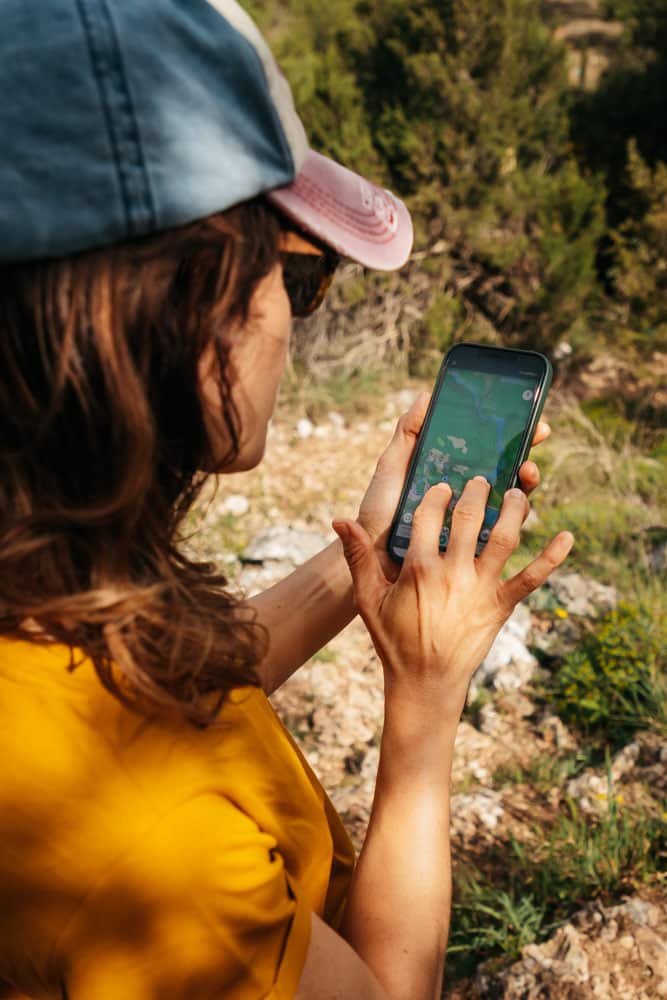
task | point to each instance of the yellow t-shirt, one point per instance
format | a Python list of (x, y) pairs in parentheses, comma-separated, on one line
[(147, 860)]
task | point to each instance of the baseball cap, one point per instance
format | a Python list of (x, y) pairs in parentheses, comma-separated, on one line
[(122, 118)]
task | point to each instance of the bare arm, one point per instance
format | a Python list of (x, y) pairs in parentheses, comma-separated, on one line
[(431, 628), (303, 612)]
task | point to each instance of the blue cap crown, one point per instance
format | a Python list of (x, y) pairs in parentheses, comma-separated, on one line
[(120, 118)]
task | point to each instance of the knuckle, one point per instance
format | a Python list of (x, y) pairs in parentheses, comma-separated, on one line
[(381, 463), (465, 514), (551, 562), (403, 423), (506, 603), (531, 578), (420, 516), (419, 565), (505, 540)]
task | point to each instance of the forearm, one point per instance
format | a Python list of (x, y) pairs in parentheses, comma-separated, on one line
[(303, 612), (397, 916)]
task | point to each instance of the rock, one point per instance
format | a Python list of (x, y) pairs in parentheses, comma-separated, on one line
[(532, 521), (625, 761), (613, 953), (509, 663), (591, 792), (556, 732), (304, 428), (479, 753), (474, 813), (235, 504), (641, 912), (404, 399), (651, 767), (574, 594), (562, 350), (515, 704), (492, 723), (285, 544), (562, 636), (337, 419)]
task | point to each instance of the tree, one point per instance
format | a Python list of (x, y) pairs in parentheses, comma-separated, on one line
[(462, 108), (640, 273)]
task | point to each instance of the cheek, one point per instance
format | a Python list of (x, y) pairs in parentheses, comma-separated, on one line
[(256, 362)]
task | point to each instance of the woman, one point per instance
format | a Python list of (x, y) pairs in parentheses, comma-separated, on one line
[(161, 221)]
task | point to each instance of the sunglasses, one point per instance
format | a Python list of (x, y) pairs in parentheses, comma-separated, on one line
[(308, 270)]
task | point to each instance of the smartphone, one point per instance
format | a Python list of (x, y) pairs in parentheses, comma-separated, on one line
[(481, 421)]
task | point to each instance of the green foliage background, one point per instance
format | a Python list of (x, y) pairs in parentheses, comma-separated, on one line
[(556, 198)]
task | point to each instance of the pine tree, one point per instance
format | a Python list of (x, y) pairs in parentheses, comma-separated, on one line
[(462, 107)]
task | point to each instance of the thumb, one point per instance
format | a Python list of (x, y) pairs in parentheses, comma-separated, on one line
[(399, 451), (367, 577)]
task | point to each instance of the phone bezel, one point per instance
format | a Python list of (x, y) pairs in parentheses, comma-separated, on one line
[(508, 353)]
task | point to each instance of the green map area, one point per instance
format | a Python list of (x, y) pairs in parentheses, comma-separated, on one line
[(476, 429)]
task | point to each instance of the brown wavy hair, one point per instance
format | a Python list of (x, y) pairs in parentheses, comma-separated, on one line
[(102, 439)]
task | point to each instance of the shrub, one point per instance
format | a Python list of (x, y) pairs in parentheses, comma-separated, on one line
[(611, 686), (463, 109), (640, 244)]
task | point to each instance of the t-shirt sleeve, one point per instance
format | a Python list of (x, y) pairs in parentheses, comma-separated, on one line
[(200, 908)]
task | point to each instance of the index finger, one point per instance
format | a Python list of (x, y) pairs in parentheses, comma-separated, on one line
[(427, 524), (467, 520)]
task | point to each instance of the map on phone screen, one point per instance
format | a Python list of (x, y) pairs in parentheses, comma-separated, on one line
[(476, 429)]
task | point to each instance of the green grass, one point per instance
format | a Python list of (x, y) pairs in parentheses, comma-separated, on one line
[(356, 395), (605, 480), (544, 771), (520, 894)]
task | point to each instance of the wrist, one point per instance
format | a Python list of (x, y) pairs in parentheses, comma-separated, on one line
[(418, 738), (430, 705)]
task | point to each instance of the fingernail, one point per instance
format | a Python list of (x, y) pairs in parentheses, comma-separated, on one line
[(516, 494)]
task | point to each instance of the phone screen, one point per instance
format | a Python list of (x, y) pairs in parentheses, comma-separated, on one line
[(477, 426)]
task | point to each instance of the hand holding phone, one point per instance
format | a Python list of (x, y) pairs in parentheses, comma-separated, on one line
[(433, 624), (483, 413)]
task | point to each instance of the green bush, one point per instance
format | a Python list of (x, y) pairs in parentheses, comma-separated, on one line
[(611, 686), (462, 108), (640, 244)]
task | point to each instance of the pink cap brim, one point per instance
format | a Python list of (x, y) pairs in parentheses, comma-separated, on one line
[(353, 216)]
